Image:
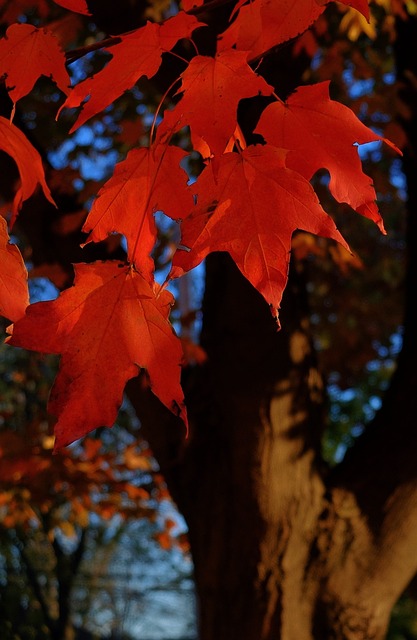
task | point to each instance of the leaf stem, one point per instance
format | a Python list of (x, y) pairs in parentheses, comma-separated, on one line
[(195, 46), (278, 98), (151, 134), (178, 56)]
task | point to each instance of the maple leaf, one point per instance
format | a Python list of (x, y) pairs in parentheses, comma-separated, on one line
[(148, 180), (212, 89), (360, 5), (200, 145), (187, 5), (322, 134), (106, 327), (28, 161), (251, 209), (78, 6), (14, 295), (138, 54), (264, 24), (26, 53)]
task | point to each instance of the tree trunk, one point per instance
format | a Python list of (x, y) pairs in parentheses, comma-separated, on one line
[(283, 547), (252, 520), (275, 549)]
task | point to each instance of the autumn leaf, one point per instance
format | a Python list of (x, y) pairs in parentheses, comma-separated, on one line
[(148, 180), (263, 24), (138, 54), (28, 161), (79, 6), (14, 295), (200, 145), (251, 209), (323, 134), (106, 327), (212, 89), (360, 5), (26, 53), (187, 5)]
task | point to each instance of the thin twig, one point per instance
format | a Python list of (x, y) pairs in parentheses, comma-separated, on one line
[(75, 54)]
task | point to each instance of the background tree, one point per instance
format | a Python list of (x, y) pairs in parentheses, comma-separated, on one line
[(60, 514), (327, 549)]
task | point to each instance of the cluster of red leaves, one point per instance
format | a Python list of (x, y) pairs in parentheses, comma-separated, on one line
[(69, 487), (248, 200), (111, 477)]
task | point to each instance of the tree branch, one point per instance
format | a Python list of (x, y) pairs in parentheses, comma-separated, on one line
[(33, 581), (66, 571)]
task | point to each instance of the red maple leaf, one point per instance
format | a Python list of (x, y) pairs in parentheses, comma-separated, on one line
[(322, 134), (28, 161), (148, 180), (212, 89), (261, 25), (26, 53), (110, 321), (14, 295), (138, 54), (251, 209), (360, 5), (187, 5), (78, 6)]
